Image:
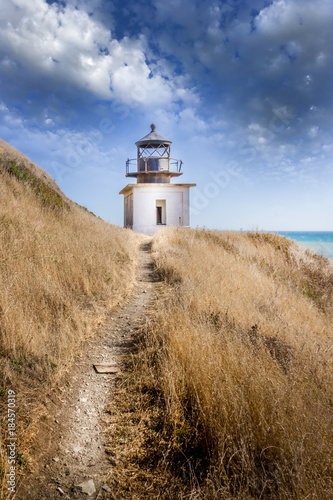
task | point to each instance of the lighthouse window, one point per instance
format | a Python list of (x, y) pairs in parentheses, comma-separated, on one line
[(160, 212)]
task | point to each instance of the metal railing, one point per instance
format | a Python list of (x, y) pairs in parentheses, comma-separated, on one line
[(149, 164)]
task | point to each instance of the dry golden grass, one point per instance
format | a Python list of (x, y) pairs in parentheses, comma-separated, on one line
[(240, 351), (9, 154), (230, 392), (61, 270)]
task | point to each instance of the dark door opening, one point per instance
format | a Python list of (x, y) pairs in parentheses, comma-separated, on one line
[(158, 215), (161, 212)]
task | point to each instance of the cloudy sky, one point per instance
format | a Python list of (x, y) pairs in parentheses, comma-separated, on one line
[(243, 88)]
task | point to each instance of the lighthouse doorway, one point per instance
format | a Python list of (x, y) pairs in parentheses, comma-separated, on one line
[(160, 212)]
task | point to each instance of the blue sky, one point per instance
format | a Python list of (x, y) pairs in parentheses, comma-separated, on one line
[(242, 88)]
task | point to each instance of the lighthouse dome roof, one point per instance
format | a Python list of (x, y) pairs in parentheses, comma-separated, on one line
[(153, 138)]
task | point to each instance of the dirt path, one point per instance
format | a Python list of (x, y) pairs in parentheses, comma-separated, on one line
[(70, 447)]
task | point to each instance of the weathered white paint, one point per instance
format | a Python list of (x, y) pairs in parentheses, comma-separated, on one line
[(141, 202)]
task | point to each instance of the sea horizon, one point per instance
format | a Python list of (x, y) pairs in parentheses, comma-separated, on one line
[(320, 242)]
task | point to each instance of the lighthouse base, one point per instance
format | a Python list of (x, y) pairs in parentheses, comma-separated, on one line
[(149, 230), (149, 207)]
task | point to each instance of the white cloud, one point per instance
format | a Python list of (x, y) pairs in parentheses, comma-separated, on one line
[(190, 122), (278, 53), (63, 152), (67, 46), (3, 107), (313, 132), (269, 68)]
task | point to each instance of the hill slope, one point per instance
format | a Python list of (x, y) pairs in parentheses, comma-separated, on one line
[(229, 393), (235, 373), (8, 155), (61, 270)]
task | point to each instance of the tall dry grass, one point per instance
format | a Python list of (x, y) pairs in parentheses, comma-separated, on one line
[(241, 349), (61, 270)]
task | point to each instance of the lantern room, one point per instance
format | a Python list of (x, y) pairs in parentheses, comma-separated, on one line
[(153, 162)]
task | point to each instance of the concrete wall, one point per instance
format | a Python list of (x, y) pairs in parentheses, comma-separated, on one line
[(145, 200)]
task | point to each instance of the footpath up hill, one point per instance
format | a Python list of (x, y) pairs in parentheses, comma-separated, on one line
[(61, 270)]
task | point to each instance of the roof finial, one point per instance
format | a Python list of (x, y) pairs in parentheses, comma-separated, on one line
[(153, 127)]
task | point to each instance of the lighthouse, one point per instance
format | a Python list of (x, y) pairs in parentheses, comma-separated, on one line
[(154, 202)]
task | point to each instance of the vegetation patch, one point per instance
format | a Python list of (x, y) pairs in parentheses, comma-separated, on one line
[(54, 265), (147, 450), (47, 196), (231, 376)]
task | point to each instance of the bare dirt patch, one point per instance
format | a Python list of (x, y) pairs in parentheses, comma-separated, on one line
[(70, 448)]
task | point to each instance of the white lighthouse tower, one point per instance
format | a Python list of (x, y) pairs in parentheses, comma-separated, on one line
[(153, 202)]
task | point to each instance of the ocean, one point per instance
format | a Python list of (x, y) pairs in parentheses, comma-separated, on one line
[(320, 242)]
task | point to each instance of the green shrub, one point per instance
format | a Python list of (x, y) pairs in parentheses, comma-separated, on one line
[(47, 195)]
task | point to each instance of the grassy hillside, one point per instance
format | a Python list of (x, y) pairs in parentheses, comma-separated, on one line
[(237, 358), (229, 394), (61, 270)]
